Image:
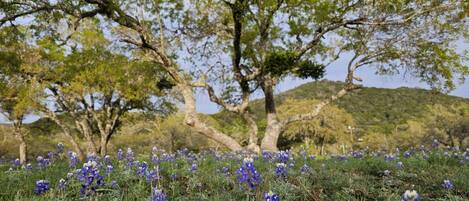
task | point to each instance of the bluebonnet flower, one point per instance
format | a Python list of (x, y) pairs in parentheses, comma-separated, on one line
[(422, 148), (60, 147), (400, 165), (72, 159), (154, 150), (281, 170), (447, 184), (312, 157), (91, 157), (42, 186), (120, 154), (16, 163), (270, 196), (266, 155), (435, 143), (50, 155), (69, 175), (283, 156), (158, 195), (342, 158), (142, 168), (88, 175), (114, 184), (303, 153), (152, 175), (247, 174), (389, 157), (446, 154), (29, 167), (61, 185), (42, 162), (410, 196), (407, 154), (357, 154), (194, 167), (129, 156), (387, 172), (465, 160), (154, 158), (225, 170), (305, 169), (168, 157), (109, 169), (107, 160)]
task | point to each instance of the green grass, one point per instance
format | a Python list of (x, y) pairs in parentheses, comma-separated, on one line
[(330, 179)]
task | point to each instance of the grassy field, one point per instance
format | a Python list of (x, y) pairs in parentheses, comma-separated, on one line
[(231, 176)]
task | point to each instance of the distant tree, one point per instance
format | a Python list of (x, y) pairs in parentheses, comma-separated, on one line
[(96, 87), (448, 124), (250, 46), (330, 127), (17, 95), (174, 136)]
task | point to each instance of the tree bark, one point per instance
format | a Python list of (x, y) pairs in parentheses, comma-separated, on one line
[(253, 139), (272, 132), (66, 132), (103, 145), (199, 126), (86, 130), (23, 148)]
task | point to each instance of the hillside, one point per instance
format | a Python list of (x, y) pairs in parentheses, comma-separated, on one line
[(377, 111), (371, 106)]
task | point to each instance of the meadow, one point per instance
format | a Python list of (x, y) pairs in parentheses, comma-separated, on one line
[(432, 173)]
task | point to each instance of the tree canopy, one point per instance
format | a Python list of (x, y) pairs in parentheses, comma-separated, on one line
[(233, 49)]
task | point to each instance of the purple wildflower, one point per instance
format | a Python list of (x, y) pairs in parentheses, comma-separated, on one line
[(42, 186), (61, 185), (281, 170), (114, 184), (447, 184), (305, 169), (120, 155), (247, 174), (158, 195), (60, 147), (410, 196), (270, 196)]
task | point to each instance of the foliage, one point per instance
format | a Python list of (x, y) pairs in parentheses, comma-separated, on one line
[(329, 128)]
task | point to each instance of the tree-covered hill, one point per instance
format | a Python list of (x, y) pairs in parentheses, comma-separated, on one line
[(372, 106), (378, 111)]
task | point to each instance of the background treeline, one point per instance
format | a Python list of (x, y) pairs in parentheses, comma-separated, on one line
[(380, 119)]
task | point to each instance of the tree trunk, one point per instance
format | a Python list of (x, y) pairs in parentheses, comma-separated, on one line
[(103, 145), (253, 140), (23, 148), (273, 129), (66, 132), (193, 121), (85, 128)]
